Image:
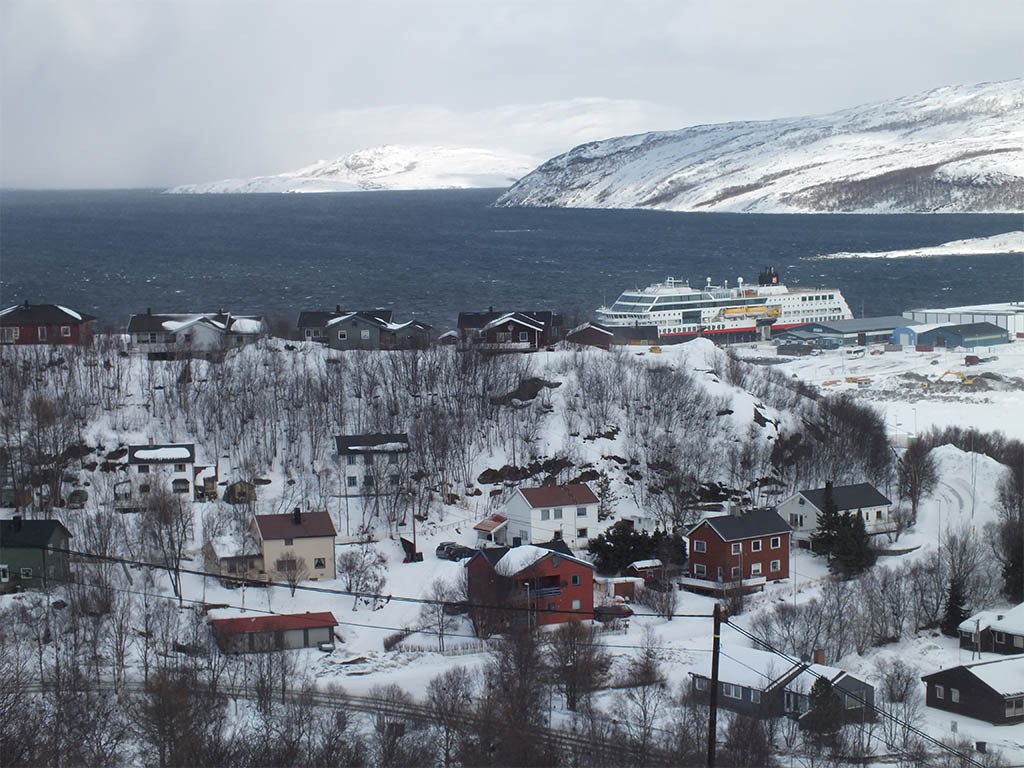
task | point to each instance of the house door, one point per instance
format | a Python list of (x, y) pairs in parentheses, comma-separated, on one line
[(517, 541)]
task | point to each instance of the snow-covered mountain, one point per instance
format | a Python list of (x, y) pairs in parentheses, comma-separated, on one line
[(954, 149), (386, 167)]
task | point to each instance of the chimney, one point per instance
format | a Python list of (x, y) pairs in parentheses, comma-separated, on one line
[(297, 516), (818, 657)]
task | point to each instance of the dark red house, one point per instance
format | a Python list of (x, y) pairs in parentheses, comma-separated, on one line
[(528, 584), (738, 551), (44, 324), (987, 690)]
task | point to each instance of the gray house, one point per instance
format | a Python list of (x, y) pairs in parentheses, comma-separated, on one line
[(27, 556), (373, 329), (762, 684), (373, 463)]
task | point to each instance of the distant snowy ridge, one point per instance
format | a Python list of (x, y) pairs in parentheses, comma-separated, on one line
[(954, 149), (385, 167), (1007, 243)]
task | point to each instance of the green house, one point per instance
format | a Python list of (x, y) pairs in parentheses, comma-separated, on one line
[(30, 555)]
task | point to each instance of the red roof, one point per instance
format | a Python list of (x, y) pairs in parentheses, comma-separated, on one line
[(311, 524), (245, 625), (491, 524), (559, 495)]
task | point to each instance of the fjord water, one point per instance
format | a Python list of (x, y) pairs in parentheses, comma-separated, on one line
[(431, 254)]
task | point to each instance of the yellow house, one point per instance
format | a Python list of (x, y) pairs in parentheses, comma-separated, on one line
[(297, 546)]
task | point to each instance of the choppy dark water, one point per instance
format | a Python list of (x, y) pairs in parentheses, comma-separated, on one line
[(431, 254)]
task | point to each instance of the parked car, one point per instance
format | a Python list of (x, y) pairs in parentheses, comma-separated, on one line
[(450, 550), (443, 549)]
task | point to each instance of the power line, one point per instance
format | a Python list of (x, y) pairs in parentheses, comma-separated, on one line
[(884, 713), (270, 612)]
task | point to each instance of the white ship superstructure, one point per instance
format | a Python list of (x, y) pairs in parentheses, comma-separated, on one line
[(722, 312)]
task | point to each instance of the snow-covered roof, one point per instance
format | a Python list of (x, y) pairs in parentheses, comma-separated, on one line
[(163, 454), (1012, 621), (641, 564), (520, 558), (748, 667), (1005, 676), (232, 546), (167, 453), (248, 325), (515, 317), (980, 621)]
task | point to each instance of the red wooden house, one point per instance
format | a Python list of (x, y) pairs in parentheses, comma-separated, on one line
[(738, 551), (44, 324), (528, 584)]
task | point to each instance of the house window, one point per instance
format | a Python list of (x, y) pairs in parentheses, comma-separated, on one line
[(352, 481), (551, 607), (288, 542), (365, 334), (26, 573), (11, 334), (545, 514), (524, 336), (368, 459), (1000, 637), (392, 459), (735, 571), (1014, 707), (581, 511), (940, 692), (180, 486), (368, 481), (144, 488), (776, 566), (731, 691), (143, 469), (576, 580), (737, 548), (42, 333), (755, 697), (557, 535), (954, 695), (319, 562), (179, 467), (755, 569), (577, 604), (699, 569), (776, 541), (287, 564), (755, 546), (700, 546), (878, 514), (65, 331), (558, 513), (342, 335), (309, 333), (1018, 641), (795, 520), (852, 702), (700, 683), (581, 533)]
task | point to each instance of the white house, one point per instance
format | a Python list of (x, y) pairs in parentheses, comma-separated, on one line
[(168, 336), (553, 512), (803, 509), (169, 466), (373, 464)]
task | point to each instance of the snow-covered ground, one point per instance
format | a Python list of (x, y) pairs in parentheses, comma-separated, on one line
[(965, 495), (1008, 242), (386, 167)]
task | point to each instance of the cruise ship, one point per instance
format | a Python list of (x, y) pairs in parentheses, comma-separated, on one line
[(726, 314)]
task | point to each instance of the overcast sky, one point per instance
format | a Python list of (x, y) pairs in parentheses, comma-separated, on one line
[(132, 93)]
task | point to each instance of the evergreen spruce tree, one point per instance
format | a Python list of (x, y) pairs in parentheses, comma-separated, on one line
[(852, 553), (955, 611), (823, 540), (606, 497), (825, 715)]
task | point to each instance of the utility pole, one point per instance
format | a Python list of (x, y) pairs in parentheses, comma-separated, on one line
[(713, 717)]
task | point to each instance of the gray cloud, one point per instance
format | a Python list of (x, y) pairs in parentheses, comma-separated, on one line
[(123, 93)]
